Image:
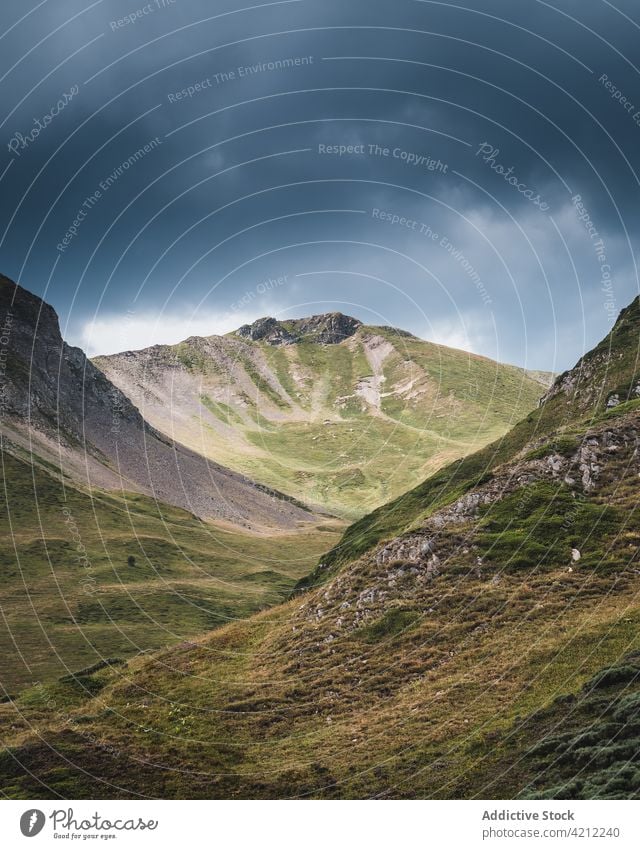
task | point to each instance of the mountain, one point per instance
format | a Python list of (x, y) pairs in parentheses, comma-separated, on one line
[(338, 414), (103, 555), (60, 407), (476, 638), (605, 380)]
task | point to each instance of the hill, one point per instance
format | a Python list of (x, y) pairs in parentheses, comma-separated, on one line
[(58, 406), (606, 380), (338, 414), (71, 596), (477, 638), (117, 540)]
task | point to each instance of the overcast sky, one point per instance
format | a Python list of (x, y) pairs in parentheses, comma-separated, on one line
[(145, 214)]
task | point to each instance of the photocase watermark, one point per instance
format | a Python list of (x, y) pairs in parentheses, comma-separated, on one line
[(119, 403), (96, 196), (397, 220), (20, 142), (117, 410), (5, 339), (238, 73), (267, 285), (606, 280), (65, 820), (191, 90), (65, 824), (143, 151), (572, 515), (489, 155), (140, 13), (456, 254), (426, 231), (243, 71), (32, 822), (407, 157), (622, 99)]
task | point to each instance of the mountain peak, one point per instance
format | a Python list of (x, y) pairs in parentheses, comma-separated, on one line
[(324, 329), (28, 310), (267, 329)]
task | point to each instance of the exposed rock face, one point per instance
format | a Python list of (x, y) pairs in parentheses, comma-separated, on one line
[(59, 406), (329, 329), (266, 330), (579, 384), (545, 378), (326, 329), (49, 384)]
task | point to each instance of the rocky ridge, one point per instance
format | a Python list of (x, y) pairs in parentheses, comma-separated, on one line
[(58, 406), (324, 329)]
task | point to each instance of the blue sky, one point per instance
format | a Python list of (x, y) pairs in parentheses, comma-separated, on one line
[(468, 172)]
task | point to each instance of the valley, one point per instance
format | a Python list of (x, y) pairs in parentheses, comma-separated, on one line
[(123, 538), (475, 637), (89, 575)]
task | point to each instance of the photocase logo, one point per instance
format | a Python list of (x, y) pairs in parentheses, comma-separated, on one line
[(32, 822)]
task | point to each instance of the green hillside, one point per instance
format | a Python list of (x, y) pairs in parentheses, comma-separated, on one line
[(584, 745), (609, 374), (71, 595), (343, 425), (478, 638)]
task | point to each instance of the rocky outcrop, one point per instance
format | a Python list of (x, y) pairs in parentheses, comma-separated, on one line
[(608, 374), (326, 329), (404, 569), (267, 330)]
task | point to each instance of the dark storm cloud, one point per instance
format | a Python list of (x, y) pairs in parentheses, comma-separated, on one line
[(479, 125)]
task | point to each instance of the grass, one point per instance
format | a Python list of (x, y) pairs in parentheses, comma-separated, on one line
[(69, 596), (613, 366), (541, 523), (509, 671), (565, 445), (295, 418), (391, 623), (584, 745), (262, 385), (222, 411), (380, 682), (228, 721)]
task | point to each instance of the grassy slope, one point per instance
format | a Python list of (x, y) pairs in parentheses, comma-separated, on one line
[(583, 745), (290, 416), (62, 611), (421, 697), (388, 681), (612, 367)]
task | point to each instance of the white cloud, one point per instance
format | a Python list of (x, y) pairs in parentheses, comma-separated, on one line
[(450, 334), (470, 332), (131, 332)]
